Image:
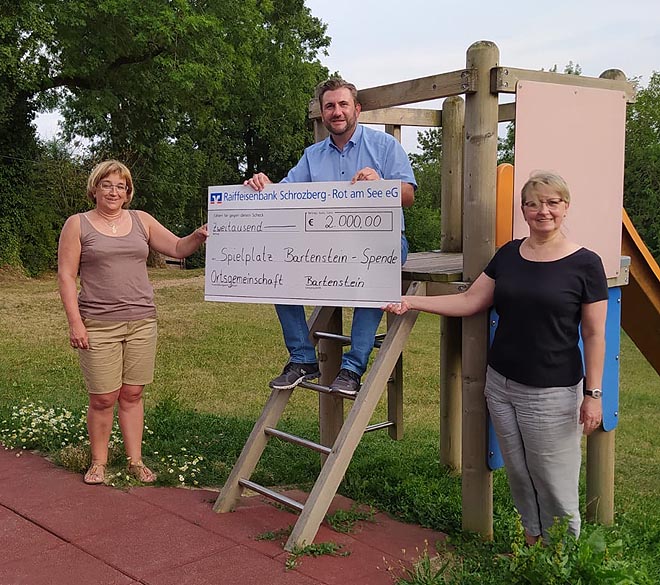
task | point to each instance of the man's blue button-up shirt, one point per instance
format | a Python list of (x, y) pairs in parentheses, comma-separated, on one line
[(367, 147)]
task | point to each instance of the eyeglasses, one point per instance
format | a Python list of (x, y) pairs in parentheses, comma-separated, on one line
[(551, 204), (107, 187)]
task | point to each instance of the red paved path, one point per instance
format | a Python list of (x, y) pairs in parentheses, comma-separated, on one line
[(56, 530)]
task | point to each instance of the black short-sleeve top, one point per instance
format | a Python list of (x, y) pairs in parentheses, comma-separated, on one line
[(540, 307)]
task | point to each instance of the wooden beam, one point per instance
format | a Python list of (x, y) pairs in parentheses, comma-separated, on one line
[(505, 79), (403, 117), (412, 91), (446, 288), (506, 112), (422, 117), (418, 90)]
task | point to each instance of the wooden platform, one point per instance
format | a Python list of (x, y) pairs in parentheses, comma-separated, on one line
[(433, 267), (442, 271)]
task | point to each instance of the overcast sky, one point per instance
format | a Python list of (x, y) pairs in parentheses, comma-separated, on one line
[(375, 42), (382, 41)]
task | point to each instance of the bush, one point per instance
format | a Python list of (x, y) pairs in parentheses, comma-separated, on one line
[(565, 560)]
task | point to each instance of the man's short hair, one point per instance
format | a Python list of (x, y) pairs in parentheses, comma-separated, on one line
[(333, 84)]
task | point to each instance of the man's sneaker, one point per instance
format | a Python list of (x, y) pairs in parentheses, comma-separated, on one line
[(293, 374), (346, 381)]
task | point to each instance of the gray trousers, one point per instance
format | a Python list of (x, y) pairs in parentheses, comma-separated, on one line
[(539, 435)]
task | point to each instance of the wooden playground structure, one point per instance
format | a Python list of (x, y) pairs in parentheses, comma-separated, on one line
[(474, 222)]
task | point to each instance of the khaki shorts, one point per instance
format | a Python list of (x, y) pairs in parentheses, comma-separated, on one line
[(120, 352)]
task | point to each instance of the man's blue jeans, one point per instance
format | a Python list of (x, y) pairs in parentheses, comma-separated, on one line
[(363, 332)]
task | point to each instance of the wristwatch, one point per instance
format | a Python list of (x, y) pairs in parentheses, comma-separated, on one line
[(594, 393)]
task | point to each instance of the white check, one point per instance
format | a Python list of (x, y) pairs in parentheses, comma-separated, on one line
[(305, 244)]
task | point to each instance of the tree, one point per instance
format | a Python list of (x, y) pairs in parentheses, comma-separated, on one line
[(423, 218), (62, 179), (18, 148), (188, 93), (642, 172)]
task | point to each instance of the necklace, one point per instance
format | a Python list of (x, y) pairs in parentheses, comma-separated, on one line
[(114, 223), (548, 251)]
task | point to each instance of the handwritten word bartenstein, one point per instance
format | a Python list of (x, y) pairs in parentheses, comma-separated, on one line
[(305, 244)]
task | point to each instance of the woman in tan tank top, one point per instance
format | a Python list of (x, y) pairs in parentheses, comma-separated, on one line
[(112, 321)]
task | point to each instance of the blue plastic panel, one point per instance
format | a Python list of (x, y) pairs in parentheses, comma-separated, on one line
[(611, 369), (610, 373)]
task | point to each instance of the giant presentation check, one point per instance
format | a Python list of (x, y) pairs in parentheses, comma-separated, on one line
[(335, 244)]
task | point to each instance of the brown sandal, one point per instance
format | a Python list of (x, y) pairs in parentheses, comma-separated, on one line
[(141, 472), (95, 474)]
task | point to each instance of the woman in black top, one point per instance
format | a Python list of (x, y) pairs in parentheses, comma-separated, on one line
[(544, 288)]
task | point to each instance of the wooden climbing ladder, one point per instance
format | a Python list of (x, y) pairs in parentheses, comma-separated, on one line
[(336, 457)]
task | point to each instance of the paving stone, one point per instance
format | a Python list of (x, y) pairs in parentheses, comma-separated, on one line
[(153, 544), (398, 539), (26, 459), (61, 565), (92, 511), (56, 530), (236, 566), (30, 489), (362, 562), (19, 538)]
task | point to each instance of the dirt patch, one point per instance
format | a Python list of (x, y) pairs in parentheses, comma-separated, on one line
[(12, 274)]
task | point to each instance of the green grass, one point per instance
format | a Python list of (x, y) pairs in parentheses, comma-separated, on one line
[(214, 362)]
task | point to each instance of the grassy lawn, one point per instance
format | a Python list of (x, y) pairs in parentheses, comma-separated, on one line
[(214, 363)]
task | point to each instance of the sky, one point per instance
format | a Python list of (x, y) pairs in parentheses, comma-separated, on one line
[(383, 41), (375, 42)]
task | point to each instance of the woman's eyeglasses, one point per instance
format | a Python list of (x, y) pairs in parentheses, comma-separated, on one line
[(107, 187), (551, 204)]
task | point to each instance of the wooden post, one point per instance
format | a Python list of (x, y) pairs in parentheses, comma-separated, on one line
[(331, 408), (395, 395), (451, 199), (600, 444), (600, 476), (479, 203), (394, 130), (320, 131), (395, 383), (451, 240)]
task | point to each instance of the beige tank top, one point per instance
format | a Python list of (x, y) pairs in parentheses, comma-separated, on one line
[(114, 284)]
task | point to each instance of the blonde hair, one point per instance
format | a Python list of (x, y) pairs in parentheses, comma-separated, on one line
[(548, 178), (102, 170)]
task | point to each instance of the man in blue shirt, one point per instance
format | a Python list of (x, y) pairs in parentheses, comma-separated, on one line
[(356, 153)]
